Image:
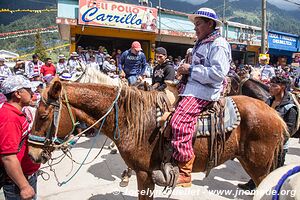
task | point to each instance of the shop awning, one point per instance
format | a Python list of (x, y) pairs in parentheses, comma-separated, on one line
[(176, 25)]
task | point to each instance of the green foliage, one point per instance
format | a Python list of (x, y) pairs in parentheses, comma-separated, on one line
[(26, 44), (39, 47)]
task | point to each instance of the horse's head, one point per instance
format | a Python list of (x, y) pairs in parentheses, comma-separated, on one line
[(54, 120), (233, 84)]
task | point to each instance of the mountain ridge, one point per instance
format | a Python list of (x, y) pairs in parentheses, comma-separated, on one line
[(242, 11)]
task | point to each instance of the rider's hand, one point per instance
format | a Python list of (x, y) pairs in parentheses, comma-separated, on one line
[(184, 68), (140, 78), (27, 192)]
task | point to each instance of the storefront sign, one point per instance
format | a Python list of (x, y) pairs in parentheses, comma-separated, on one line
[(238, 47), (117, 15), (281, 41)]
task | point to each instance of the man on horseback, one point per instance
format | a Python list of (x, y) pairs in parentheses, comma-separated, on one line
[(211, 58)]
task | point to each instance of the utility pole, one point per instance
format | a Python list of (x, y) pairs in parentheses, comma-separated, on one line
[(159, 14), (264, 26), (224, 9)]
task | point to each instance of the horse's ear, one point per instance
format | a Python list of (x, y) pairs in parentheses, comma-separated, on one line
[(54, 90)]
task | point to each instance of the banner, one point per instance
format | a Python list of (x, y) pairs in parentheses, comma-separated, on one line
[(282, 41), (117, 15)]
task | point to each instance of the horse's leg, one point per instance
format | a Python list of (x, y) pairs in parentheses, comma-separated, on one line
[(145, 185), (256, 162)]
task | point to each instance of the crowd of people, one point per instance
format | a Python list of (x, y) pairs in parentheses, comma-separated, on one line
[(264, 71), (201, 76)]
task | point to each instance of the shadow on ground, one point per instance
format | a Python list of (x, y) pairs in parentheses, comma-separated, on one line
[(218, 181), (112, 165), (112, 196), (294, 151)]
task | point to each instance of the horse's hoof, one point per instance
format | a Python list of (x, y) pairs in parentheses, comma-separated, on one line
[(113, 151), (124, 182)]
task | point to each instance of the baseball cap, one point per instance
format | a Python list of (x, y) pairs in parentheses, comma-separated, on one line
[(136, 46), (161, 50), (16, 82)]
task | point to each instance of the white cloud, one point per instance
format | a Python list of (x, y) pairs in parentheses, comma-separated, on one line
[(194, 2)]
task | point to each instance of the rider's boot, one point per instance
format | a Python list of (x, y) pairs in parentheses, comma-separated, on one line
[(185, 169)]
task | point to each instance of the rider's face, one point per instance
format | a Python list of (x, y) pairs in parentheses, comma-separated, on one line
[(276, 89), (202, 28), (160, 58)]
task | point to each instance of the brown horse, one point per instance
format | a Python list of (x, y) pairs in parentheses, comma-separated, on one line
[(255, 142), (249, 87)]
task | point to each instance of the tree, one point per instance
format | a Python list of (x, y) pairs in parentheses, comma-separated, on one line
[(39, 47)]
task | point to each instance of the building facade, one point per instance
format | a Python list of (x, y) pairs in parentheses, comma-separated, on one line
[(245, 42)]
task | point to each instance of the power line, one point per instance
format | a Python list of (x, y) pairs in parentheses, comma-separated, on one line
[(296, 3)]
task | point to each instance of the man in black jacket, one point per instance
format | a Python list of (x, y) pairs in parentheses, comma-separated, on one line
[(282, 101), (163, 71)]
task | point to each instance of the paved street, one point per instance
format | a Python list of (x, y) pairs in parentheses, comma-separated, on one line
[(100, 180)]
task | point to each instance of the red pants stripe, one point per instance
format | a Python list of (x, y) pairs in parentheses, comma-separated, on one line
[(183, 126)]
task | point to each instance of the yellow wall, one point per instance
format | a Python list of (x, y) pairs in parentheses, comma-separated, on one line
[(115, 33), (254, 49)]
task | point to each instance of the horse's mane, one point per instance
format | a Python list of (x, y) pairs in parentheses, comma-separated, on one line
[(92, 75), (139, 107), (262, 85)]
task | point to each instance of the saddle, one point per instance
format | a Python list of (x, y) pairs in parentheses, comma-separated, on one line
[(214, 122)]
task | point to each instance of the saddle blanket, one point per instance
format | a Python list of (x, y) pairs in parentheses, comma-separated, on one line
[(231, 120)]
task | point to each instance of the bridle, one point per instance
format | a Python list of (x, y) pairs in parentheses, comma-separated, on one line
[(49, 139), (52, 140), (240, 84)]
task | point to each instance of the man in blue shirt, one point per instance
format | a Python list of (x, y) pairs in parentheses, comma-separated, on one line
[(133, 62)]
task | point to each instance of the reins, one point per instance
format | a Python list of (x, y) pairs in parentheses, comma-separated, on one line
[(71, 140)]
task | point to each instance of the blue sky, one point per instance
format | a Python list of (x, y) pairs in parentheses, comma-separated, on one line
[(279, 3)]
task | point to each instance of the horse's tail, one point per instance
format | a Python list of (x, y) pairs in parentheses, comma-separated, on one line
[(278, 153)]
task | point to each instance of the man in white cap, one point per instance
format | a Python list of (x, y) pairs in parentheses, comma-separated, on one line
[(62, 64), (74, 63), (267, 71), (4, 70), (210, 64), (134, 63), (18, 169)]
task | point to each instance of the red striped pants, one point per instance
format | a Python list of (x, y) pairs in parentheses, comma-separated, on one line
[(183, 126)]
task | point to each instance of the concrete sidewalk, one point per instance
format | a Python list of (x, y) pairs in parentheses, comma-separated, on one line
[(100, 179)]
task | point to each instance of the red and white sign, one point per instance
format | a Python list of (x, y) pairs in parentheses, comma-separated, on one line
[(117, 15)]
